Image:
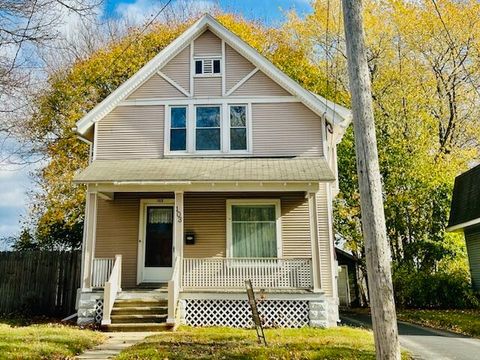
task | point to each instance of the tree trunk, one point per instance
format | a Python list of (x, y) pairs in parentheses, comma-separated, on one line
[(377, 250)]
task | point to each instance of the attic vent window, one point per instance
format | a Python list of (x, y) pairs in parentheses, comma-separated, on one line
[(207, 67)]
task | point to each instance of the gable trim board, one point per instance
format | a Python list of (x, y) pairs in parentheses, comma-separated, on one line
[(316, 103), (241, 82), (156, 86), (173, 83)]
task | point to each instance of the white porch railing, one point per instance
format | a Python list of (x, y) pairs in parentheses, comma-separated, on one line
[(231, 273), (174, 290), (102, 267), (112, 287)]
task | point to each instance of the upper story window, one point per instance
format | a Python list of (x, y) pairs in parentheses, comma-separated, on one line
[(208, 129), (207, 67), (178, 128), (238, 127)]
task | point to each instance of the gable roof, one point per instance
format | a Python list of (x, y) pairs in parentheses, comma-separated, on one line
[(316, 103), (465, 209)]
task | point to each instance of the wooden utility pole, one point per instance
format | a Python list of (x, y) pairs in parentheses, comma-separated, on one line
[(377, 249)]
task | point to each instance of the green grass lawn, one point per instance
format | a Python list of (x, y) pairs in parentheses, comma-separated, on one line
[(44, 341), (461, 321), (227, 343)]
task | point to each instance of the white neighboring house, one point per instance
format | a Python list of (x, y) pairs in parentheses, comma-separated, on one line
[(210, 166)]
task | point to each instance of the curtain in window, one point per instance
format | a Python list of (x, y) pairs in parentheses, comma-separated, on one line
[(160, 215), (254, 232)]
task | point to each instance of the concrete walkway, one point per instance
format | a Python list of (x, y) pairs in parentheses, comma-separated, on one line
[(116, 342), (425, 343)]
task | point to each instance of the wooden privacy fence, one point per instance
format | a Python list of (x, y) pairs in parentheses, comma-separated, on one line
[(39, 282)]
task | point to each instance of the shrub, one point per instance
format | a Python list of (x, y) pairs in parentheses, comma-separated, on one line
[(442, 290)]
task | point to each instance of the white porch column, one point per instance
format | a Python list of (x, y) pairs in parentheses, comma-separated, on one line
[(179, 224), (88, 247), (312, 210)]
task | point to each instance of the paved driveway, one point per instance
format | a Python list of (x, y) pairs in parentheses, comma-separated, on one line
[(425, 343)]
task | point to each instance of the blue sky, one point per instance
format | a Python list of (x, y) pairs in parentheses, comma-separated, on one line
[(268, 11), (14, 181)]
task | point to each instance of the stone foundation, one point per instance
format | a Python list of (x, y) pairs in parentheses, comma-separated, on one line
[(86, 307), (323, 313)]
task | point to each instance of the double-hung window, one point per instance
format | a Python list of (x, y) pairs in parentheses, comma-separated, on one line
[(207, 128), (178, 128), (254, 228), (238, 127)]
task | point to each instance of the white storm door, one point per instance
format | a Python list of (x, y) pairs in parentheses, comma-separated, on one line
[(157, 243)]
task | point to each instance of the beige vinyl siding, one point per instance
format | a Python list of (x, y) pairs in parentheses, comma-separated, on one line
[(472, 238), (260, 85), (155, 88), (178, 69), (208, 86), (295, 225), (207, 44), (205, 215), (131, 132), (118, 228), (286, 129), (236, 67), (117, 233), (324, 241)]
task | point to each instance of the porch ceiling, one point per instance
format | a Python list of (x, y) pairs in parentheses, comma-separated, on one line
[(207, 170)]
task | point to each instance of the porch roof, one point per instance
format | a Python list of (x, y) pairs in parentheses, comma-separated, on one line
[(207, 170)]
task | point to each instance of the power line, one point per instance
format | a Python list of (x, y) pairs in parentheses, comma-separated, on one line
[(150, 22), (452, 45)]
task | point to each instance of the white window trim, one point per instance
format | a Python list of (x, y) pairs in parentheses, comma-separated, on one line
[(168, 127), (222, 126), (248, 127), (278, 213), (191, 130), (207, 57)]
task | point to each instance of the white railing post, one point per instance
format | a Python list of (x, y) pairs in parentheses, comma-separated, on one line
[(112, 287), (118, 258), (174, 291), (107, 293)]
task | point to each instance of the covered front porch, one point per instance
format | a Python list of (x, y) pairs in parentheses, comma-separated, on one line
[(206, 238)]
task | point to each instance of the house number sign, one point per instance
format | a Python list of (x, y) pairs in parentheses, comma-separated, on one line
[(179, 214)]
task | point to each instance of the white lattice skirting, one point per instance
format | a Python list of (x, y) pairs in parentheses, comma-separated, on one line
[(237, 313), (98, 311)]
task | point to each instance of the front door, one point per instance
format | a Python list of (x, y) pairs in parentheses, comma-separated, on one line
[(158, 243)]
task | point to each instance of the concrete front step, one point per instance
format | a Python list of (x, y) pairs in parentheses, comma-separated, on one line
[(154, 295), (140, 302), (139, 327), (137, 318), (140, 310)]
